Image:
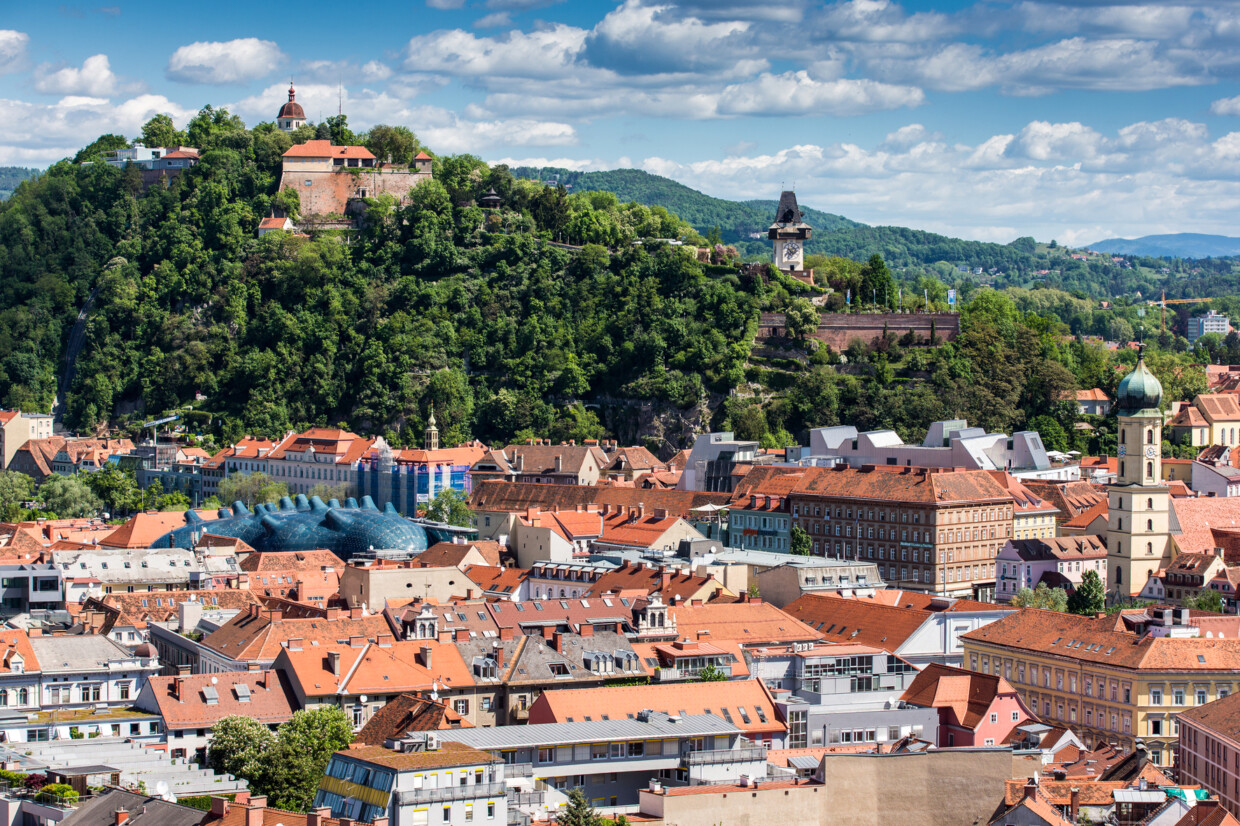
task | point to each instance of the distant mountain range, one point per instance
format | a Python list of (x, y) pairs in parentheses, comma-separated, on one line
[(1178, 245)]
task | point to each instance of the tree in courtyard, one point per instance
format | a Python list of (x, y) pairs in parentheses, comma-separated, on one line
[(251, 488), (712, 674), (237, 746), (290, 771), (799, 543), (449, 506), (68, 497), (1089, 597), (1050, 599), (1206, 601), (578, 812), (116, 487), (15, 490)]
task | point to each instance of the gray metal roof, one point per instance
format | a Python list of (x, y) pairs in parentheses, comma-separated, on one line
[(803, 761), (85, 652), (598, 731)]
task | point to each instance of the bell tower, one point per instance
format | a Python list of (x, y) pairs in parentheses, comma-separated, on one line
[(1139, 523), (430, 439)]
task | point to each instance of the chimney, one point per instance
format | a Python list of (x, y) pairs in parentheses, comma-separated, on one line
[(275, 616), (665, 579), (462, 635), (318, 817), (385, 640), (356, 613), (1075, 804), (557, 642), (379, 821), (445, 635), (333, 613), (120, 816), (641, 510), (548, 631), (499, 656), (257, 808), (559, 463), (177, 683), (333, 662), (1031, 788), (587, 629), (426, 657), (219, 806), (184, 669)]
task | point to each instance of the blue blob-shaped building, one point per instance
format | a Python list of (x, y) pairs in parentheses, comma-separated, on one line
[(303, 524)]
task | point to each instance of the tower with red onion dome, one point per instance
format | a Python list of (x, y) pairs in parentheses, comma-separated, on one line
[(291, 114)]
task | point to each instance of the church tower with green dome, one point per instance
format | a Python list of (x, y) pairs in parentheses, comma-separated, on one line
[(1139, 524)]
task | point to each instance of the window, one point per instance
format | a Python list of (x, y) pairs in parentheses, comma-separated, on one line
[(1156, 696), (461, 706), (1201, 696), (1156, 726)]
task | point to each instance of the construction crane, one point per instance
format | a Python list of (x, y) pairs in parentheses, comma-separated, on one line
[(1165, 301)]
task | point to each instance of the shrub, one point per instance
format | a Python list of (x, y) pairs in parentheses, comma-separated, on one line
[(57, 793)]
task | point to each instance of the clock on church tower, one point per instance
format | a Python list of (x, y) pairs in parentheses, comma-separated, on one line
[(789, 232), (1138, 527)]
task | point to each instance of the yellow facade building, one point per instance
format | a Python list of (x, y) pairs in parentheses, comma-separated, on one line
[(1111, 678)]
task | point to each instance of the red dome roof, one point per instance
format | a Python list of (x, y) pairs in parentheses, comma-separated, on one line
[(292, 109)]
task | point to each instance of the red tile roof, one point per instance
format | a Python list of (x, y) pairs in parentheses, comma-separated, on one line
[(897, 484), (406, 713), (967, 694), (450, 554), (144, 528), (325, 149), (516, 497), (260, 635), (737, 701), (748, 623), (182, 700), (858, 621), (1200, 517)]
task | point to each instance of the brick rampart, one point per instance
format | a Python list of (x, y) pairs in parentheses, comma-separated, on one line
[(836, 330), (328, 193)]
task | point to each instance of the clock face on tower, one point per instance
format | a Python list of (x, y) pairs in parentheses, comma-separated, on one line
[(1149, 452), (790, 250)]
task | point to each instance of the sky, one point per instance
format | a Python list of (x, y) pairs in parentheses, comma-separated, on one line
[(1073, 120)]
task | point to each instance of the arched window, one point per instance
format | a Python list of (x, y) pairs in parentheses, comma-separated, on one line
[(1121, 468), (1149, 436), (4, 696), (1122, 435), (1149, 469), (1149, 503), (1149, 548), (1119, 575), (1149, 524), (23, 696), (1120, 526)]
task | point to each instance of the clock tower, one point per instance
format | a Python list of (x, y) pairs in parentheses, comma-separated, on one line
[(790, 232), (1139, 524)]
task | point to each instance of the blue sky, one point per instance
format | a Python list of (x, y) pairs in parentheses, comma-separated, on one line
[(1074, 120)]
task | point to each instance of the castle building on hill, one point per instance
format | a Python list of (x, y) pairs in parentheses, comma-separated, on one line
[(291, 114), (328, 177)]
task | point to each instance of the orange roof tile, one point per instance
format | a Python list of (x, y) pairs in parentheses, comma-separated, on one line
[(182, 700), (737, 701), (838, 619), (1199, 517), (406, 713), (748, 623), (325, 149), (144, 528)]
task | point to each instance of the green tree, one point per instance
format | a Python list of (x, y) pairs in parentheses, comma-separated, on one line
[(15, 490), (578, 812), (1089, 597), (449, 506), (392, 144), (712, 674), (1053, 435), (1206, 601), (800, 543), (291, 770), (238, 745), (1050, 599), (100, 146), (251, 488), (68, 497), (328, 492), (801, 318), (161, 131), (116, 487)]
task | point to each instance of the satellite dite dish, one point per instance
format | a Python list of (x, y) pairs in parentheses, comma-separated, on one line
[(163, 792), (215, 680)]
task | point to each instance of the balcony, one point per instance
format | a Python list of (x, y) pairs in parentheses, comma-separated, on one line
[(715, 756), (447, 793), (672, 674)]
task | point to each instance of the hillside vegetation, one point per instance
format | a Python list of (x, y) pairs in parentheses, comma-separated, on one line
[(479, 316)]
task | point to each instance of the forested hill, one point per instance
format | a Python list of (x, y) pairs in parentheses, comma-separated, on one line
[(1178, 245), (736, 220), (833, 234), (11, 176)]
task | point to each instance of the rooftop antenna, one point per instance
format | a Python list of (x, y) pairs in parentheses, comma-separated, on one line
[(339, 97)]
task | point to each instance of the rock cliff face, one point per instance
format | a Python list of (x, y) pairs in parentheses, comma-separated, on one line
[(670, 428)]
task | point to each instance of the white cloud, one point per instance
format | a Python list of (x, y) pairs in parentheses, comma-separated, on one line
[(1226, 106), (12, 50), (40, 134), (496, 20), (375, 70), (95, 78), (796, 93), (223, 63), (445, 4), (544, 53), (640, 39), (1100, 185), (881, 21)]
